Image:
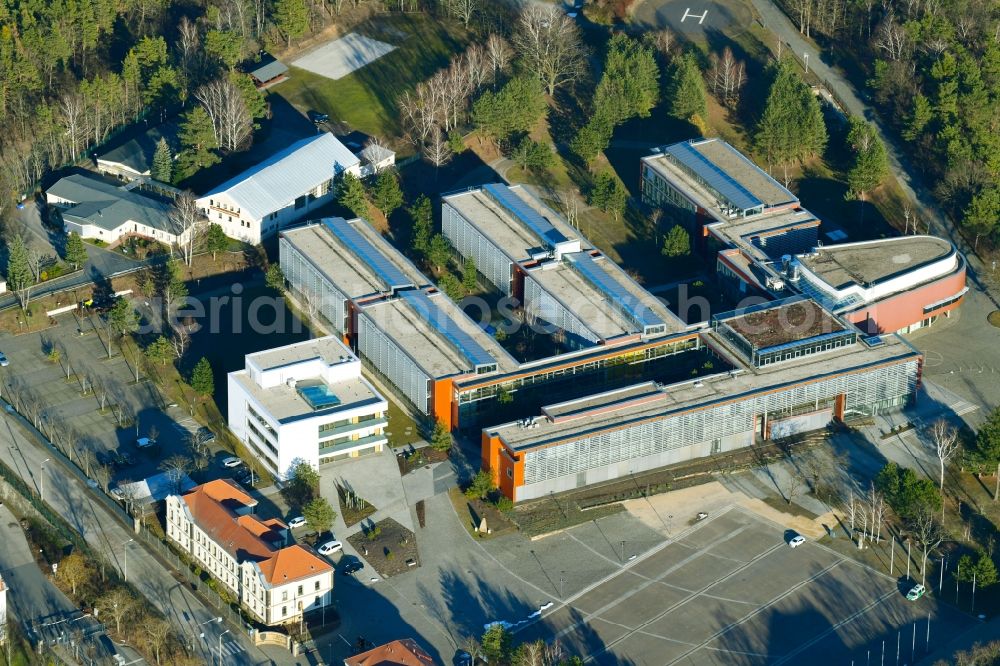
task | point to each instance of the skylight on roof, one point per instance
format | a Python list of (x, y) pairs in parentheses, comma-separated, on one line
[(318, 395)]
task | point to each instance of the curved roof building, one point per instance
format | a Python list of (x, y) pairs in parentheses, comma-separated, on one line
[(887, 285)]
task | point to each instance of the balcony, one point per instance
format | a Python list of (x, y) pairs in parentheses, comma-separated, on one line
[(351, 427), (343, 447)]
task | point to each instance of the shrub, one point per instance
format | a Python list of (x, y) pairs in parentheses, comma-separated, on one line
[(504, 504)]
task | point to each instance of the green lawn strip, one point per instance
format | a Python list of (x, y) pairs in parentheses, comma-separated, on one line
[(367, 98)]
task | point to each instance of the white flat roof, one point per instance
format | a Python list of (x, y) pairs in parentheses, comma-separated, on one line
[(284, 403)]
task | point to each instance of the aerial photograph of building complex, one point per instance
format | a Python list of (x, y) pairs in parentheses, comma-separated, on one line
[(508, 333)]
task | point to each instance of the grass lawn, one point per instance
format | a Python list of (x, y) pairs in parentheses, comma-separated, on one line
[(402, 429), (366, 99)]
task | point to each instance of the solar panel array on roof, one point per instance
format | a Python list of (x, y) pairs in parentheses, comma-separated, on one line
[(624, 301), (391, 276), (715, 177), (444, 325), (528, 216)]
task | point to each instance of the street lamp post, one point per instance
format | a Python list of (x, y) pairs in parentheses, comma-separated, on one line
[(220, 645), (41, 474), (125, 559), (806, 56)]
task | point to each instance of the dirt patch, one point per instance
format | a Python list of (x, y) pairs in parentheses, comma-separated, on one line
[(472, 513), (994, 318), (389, 547), (418, 458)]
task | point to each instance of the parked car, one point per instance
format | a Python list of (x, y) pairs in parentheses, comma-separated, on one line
[(916, 592), (3, 360), (205, 435), (797, 541), (145, 443), (351, 567), (296, 522), (232, 461), (92, 484), (117, 493), (318, 117), (330, 547)]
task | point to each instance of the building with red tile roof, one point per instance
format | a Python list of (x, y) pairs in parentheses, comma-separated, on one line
[(275, 580), (403, 652)]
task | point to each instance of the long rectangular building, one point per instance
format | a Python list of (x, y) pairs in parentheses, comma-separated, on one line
[(409, 333), (813, 371), (527, 251)]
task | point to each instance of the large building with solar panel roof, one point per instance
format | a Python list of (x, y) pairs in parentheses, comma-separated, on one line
[(598, 409), (527, 251), (406, 331), (765, 243), (305, 402)]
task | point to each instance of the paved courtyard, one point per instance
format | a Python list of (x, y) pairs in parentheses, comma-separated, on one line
[(730, 591)]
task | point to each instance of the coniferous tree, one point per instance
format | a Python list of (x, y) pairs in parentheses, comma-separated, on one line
[(351, 194), (197, 137), (687, 90), (515, 108), (871, 164), (677, 242), (202, 380), (386, 193), (291, 17), (76, 251), (791, 128), (422, 216), (609, 194), (20, 279), (163, 162), (215, 239)]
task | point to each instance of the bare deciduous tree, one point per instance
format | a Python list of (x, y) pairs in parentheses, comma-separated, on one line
[(727, 78), (437, 151), (944, 437), (499, 55), (188, 224), (188, 41), (176, 467), (929, 532), (891, 38), (180, 339), (663, 41), (550, 44), (224, 103), (118, 604)]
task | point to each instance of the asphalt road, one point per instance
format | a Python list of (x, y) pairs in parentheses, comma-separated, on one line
[(69, 497)]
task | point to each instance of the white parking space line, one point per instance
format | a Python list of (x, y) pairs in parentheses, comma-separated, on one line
[(805, 646), (760, 609)]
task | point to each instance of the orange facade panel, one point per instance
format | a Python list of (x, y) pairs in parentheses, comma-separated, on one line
[(443, 404), (907, 308)]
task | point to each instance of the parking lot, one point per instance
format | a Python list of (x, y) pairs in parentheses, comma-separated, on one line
[(86, 402), (731, 591)]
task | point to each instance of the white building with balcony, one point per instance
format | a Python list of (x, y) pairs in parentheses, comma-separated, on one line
[(306, 402)]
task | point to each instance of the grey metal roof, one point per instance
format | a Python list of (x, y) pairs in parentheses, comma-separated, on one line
[(442, 323), (104, 205), (625, 302), (268, 70), (279, 180), (387, 272), (542, 228), (137, 153), (715, 177)]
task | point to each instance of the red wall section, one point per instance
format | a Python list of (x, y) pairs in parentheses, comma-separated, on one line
[(907, 308)]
